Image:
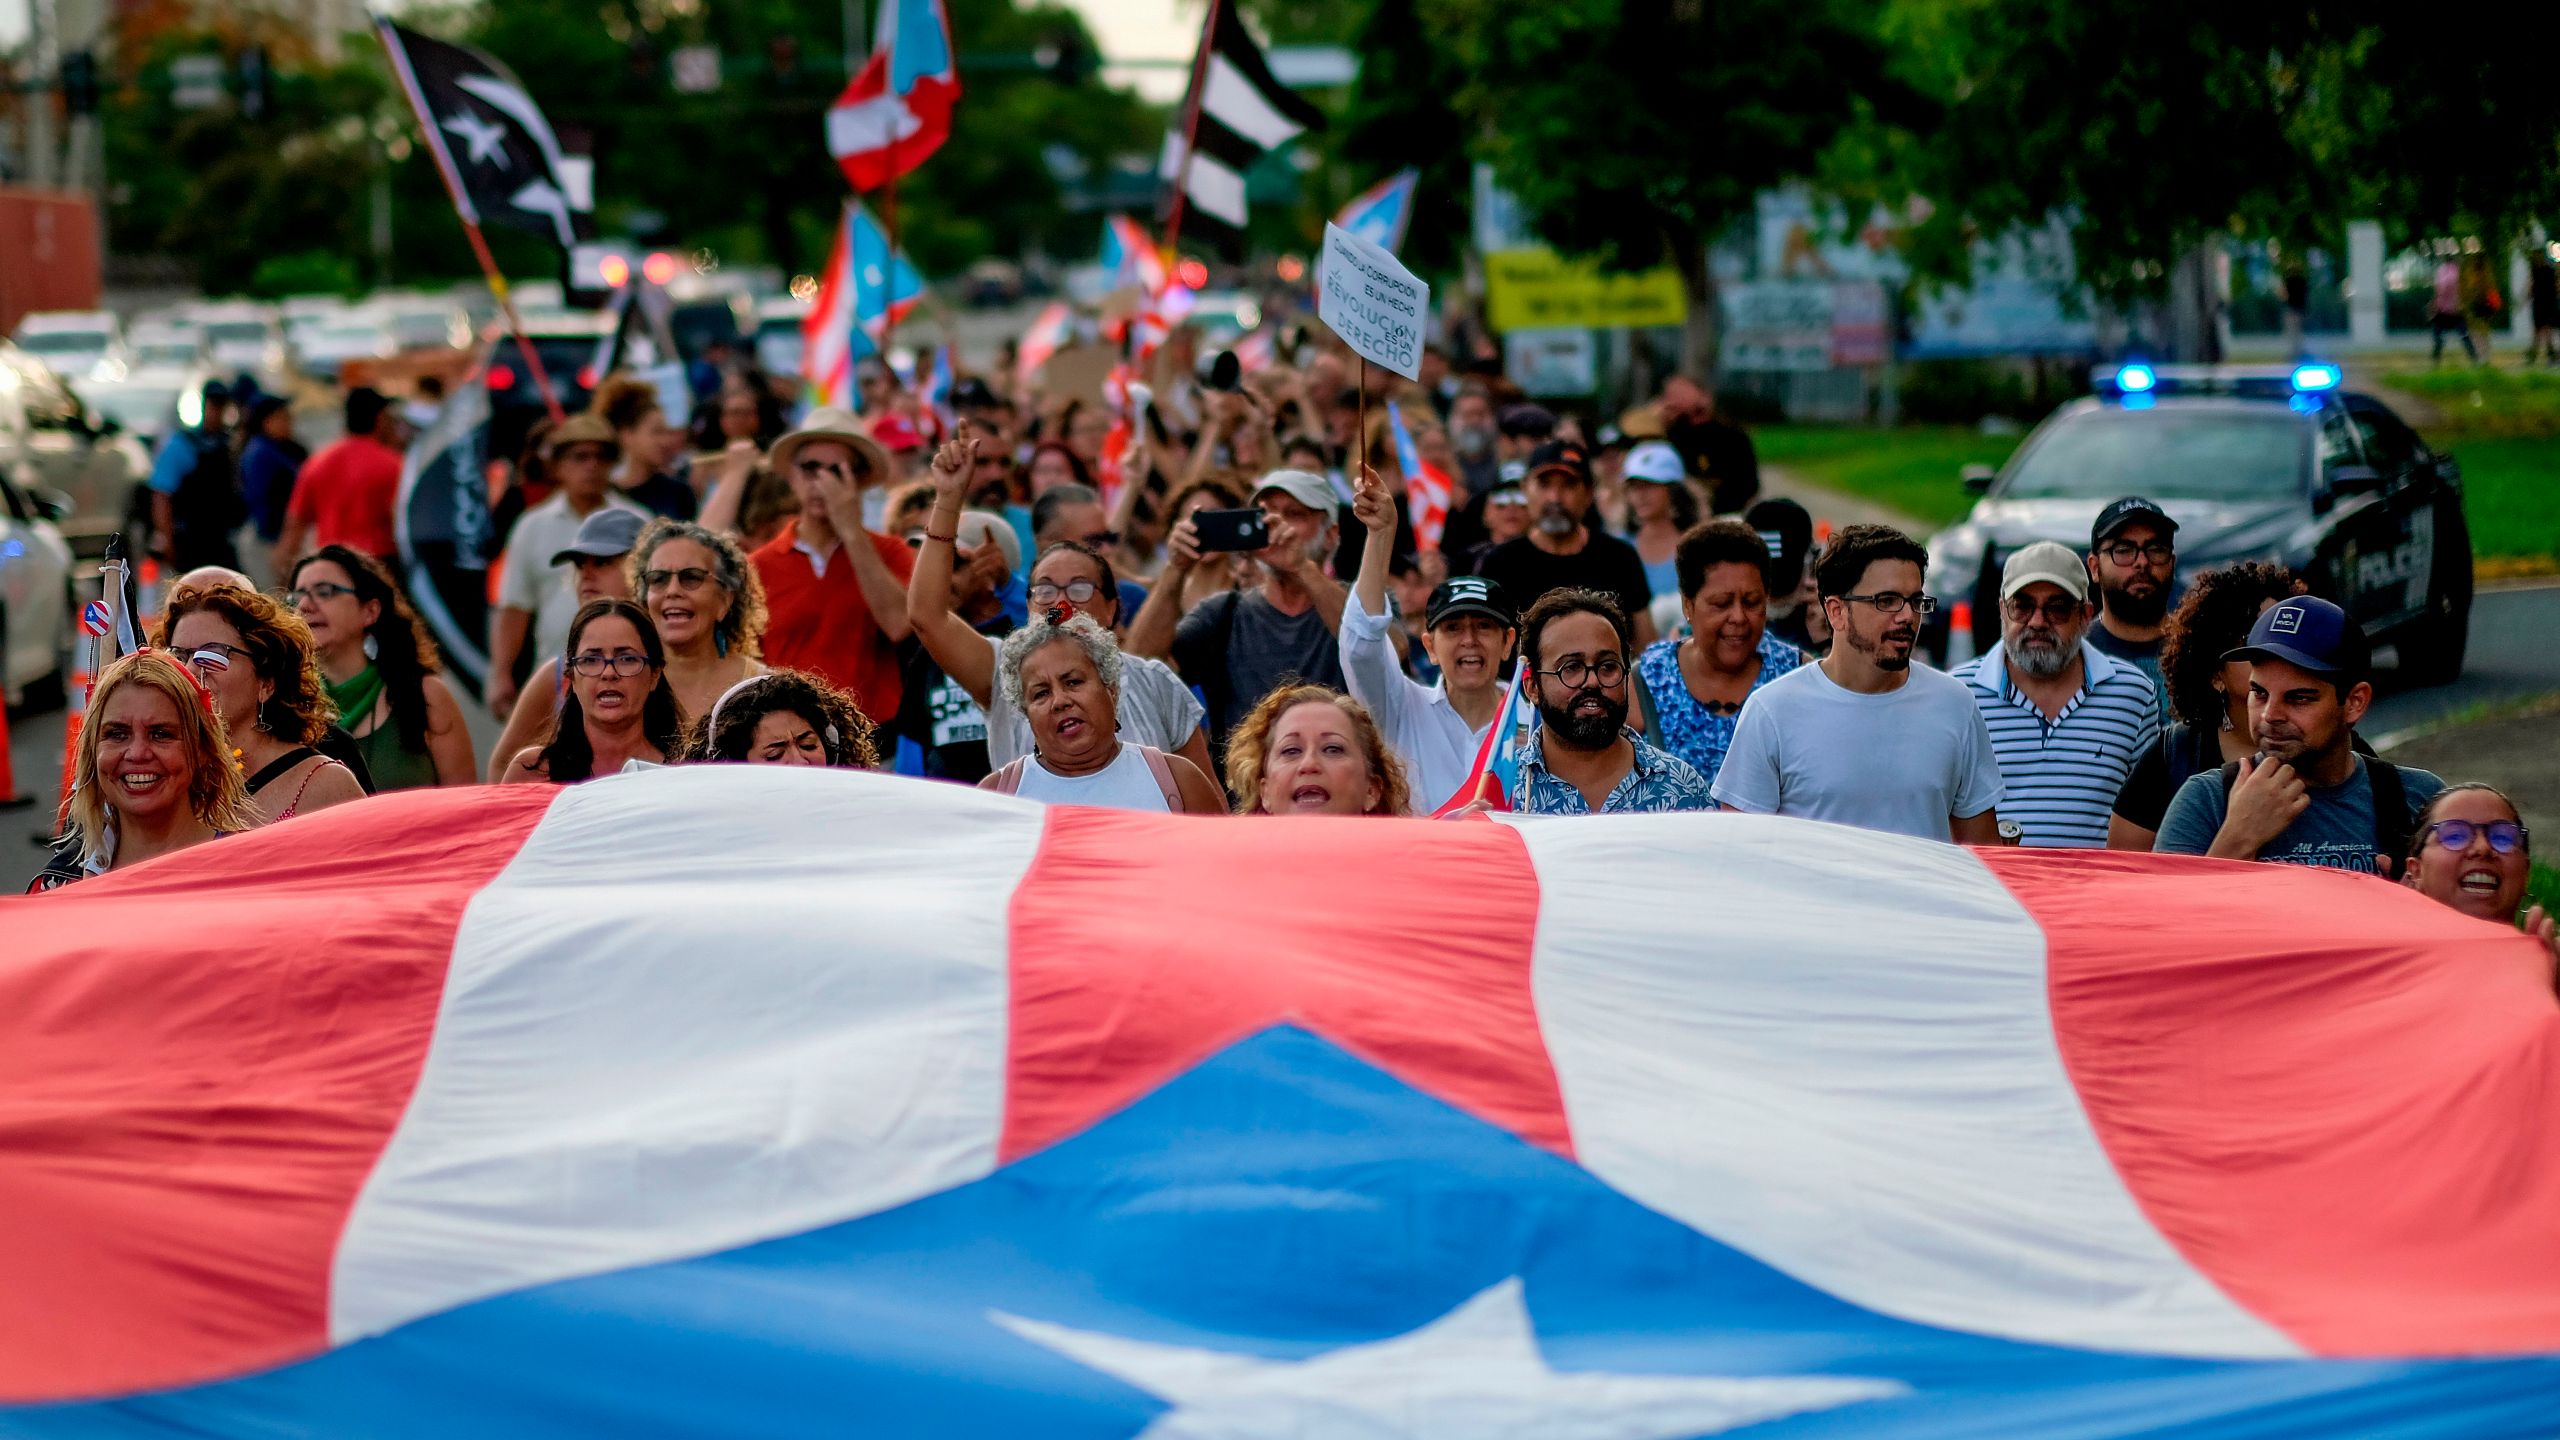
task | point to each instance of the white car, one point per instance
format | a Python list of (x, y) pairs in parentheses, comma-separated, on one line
[(244, 339), (36, 605), (166, 347), (778, 338), (333, 342), (71, 342)]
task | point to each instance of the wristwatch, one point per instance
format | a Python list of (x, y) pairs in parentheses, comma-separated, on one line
[(2011, 832)]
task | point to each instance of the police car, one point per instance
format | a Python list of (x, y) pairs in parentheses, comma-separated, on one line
[(2281, 464)]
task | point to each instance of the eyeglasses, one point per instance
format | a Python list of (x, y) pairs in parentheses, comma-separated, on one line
[(828, 467), (213, 657), (318, 591), (2125, 552), (593, 664), (2060, 610), (1081, 592), (1608, 672), (2506, 837), (1888, 602), (691, 577), (1101, 539)]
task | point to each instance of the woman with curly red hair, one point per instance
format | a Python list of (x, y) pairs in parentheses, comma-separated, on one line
[(1312, 750), (257, 659)]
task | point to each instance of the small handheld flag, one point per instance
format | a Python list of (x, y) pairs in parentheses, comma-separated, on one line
[(1382, 213), (897, 111), (1427, 488), (1495, 777), (864, 288)]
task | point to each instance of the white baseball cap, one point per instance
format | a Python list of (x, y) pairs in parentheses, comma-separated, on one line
[(2048, 561), (1656, 463)]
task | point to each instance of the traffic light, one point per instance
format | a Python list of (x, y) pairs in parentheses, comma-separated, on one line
[(80, 82), (257, 84)]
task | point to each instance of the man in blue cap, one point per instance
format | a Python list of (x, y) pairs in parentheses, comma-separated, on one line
[(2306, 797)]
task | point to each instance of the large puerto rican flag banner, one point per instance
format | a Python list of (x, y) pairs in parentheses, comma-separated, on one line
[(896, 111), (743, 1101)]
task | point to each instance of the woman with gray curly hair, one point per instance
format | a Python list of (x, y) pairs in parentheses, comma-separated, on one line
[(708, 605), (1062, 674)]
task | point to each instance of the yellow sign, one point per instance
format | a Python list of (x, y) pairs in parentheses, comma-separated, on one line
[(1539, 289)]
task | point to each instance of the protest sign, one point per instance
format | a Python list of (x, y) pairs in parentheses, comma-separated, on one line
[(1537, 289), (1371, 301)]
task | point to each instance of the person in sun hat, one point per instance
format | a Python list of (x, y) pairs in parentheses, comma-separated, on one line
[(835, 591)]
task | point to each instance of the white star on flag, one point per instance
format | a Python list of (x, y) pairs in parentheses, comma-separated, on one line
[(484, 138), (1475, 1373)]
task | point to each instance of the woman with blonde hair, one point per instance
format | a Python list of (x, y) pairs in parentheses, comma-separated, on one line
[(1312, 750), (708, 605), (258, 659), (152, 773)]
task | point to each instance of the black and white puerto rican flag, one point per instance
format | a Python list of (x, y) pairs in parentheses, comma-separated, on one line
[(1243, 114), (499, 155)]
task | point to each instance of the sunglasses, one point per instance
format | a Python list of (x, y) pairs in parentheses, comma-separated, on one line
[(2506, 837)]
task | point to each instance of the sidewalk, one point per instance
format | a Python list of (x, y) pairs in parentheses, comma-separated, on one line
[(1835, 510), (2519, 752)]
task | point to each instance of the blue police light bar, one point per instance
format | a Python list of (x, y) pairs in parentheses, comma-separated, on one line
[(2316, 377), (2137, 379)]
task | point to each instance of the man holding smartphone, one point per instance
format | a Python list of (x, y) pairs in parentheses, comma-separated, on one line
[(1239, 646)]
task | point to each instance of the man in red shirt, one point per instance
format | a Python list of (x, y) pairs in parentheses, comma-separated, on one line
[(346, 493), (835, 593)]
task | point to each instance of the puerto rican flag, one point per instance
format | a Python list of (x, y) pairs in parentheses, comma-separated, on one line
[(1049, 333), (896, 111), (1427, 488), (745, 1101), (864, 284), (1131, 257), (1382, 213)]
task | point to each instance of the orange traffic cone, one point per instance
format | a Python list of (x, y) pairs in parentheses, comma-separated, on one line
[(75, 705), (1959, 633)]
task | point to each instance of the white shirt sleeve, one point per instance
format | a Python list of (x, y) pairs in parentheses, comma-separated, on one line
[(1374, 677), (1750, 779), (521, 583)]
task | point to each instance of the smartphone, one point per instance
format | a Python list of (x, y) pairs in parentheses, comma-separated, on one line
[(1222, 530)]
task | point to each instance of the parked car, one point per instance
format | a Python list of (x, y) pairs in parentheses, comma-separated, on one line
[(49, 441), (333, 341), (166, 346), (146, 404), (569, 344), (36, 602), (72, 342), (778, 339), (244, 338), (427, 325), (2281, 464)]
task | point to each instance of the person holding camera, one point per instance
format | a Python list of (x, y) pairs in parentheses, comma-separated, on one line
[(1242, 645)]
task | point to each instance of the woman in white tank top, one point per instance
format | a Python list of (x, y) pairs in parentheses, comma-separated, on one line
[(1061, 672)]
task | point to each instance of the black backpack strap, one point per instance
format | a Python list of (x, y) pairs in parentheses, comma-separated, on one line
[(2392, 823), (2230, 777)]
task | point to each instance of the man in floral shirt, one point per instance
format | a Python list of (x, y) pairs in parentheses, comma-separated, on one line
[(1583, 760)]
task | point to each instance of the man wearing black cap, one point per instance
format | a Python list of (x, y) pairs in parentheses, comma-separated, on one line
[(195, 490), (1795, 612), (1561, 550), (2306, 797), (2133, 555), (1467, 629)]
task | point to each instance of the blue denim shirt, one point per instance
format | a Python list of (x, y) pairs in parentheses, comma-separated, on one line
[(1658, 780)]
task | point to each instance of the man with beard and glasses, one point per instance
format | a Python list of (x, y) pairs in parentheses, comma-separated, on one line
[(1582, 759), (1562, 551), (2133, 553), (1865, 737), (2306, 797), (2067, 720)]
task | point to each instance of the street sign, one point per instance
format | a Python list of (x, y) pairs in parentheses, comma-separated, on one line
[(1375, 304), (195, 81), (696, 69)]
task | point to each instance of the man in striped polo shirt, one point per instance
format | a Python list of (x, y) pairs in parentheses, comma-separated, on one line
[(2067, 720)]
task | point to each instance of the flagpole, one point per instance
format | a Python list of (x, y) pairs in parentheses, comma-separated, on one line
[(470, 225), (889, 302), (1190, 143)]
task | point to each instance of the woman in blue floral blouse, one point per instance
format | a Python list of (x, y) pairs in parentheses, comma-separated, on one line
[(1690, 688)]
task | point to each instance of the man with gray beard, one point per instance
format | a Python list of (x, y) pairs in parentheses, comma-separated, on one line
[(1562, 551), (2067, 719)]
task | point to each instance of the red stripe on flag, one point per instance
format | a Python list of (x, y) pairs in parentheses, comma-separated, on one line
[(1409, 948), (200, 1061), (2333, 1095)]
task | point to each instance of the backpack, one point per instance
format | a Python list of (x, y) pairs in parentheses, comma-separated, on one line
[(1008, 778), (2391, 827), (208, 500)]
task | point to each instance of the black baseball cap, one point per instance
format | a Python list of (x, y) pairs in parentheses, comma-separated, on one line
[(1526, 421), (2312, 633), (1787, 529), (1467, 595), (2124, 512), (1562, 455), (972, 394)]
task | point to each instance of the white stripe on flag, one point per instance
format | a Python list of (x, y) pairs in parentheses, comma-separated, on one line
[(1214, 188), (1849, 1071), (872, 124), (1233, 100), (701, 1008)]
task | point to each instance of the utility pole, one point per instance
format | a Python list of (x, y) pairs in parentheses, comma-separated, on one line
[(44, 58), (857, 39)]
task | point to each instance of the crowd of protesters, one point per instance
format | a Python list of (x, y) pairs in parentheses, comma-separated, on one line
[(1212, 598)]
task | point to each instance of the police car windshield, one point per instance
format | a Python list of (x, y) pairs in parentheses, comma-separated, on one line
[(2219, 454)]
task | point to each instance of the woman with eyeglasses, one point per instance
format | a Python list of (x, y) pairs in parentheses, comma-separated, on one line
[(619, 707), (708, 605), (256, 657), (783, 717), (1151, 704), (2472, 852), (152, 772), (381, 671)]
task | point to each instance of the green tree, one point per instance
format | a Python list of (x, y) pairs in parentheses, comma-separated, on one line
[(1639, 131), (1403, 113)]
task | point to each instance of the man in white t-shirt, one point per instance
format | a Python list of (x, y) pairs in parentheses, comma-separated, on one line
[(1866, 738), (536, 597)]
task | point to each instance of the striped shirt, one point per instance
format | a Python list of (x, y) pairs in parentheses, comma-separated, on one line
[(2063, 774)]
